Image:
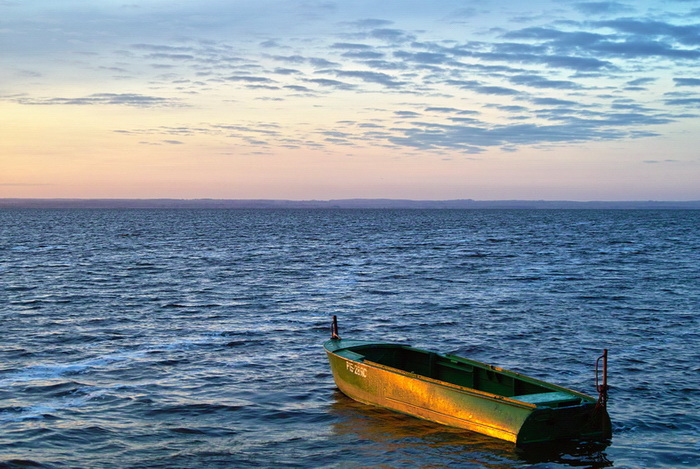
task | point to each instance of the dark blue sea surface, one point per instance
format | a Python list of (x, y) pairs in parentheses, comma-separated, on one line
[(193, 338)]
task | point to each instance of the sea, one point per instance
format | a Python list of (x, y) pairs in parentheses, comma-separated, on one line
[(177, 338)]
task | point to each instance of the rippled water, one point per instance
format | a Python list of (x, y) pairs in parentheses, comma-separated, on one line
[(176, 338)]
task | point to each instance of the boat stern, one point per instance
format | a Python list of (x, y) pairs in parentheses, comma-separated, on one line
[(585, 421)]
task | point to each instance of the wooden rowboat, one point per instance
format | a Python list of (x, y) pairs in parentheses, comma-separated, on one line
[(464, 393)]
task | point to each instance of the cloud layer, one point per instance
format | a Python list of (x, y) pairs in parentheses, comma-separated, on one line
[(450, 79)]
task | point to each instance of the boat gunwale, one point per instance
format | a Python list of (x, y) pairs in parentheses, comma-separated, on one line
[(445, 384), (360, 344)]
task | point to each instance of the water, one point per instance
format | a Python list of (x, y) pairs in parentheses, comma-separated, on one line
[(176, 338)]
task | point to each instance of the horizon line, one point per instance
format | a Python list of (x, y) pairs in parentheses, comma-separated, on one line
[(347, 199), (347, 203)]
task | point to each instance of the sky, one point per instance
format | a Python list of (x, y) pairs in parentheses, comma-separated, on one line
[(333, 99)]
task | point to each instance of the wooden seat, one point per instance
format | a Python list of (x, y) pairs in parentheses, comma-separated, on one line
[(549, 399)]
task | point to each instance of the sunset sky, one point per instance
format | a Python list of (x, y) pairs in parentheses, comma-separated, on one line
[(441, 99)]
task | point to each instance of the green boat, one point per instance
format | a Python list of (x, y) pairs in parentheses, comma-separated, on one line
[(464, 393)]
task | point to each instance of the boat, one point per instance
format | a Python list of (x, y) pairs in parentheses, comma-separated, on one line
[(463, 393)]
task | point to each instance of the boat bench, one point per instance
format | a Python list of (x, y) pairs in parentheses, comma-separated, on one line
[(549, 399)]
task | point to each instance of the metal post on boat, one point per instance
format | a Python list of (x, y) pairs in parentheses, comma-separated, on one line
[(334, 328), (602, 388)]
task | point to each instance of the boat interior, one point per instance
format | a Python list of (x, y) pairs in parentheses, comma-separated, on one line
[(462, 372)]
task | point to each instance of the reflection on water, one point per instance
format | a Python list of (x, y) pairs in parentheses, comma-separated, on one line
[(378, 433)]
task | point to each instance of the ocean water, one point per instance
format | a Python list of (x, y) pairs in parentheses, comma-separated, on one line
[(193, 338)]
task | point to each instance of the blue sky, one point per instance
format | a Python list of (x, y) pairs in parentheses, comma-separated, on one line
[(331, 99)]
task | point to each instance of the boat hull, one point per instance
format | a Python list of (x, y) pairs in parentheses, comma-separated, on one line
[(459, 406)]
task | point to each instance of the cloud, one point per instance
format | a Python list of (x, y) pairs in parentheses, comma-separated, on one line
[(298, 88), (299, 60), (391, 35), (294, 59), (631, 39), (431, 58), (558, 82), (537, 81), (584, 64), (645, 48), (463, 13), (450, 110), (660, 161), (272, 43), (163, 56), (406, 114), (561, 39), (633, 118), (510, 108), (370, 77), (259, 128), (687, 81), (602, 8), (286, 71), (683, 102), (363, 54), (641, 81), (495, 90), (443, 129), (29, 74), (441, 109), (464, 120), (120, 99), (553, 102), (384, 65), (554, 55), (350, 46), (321, 63), (369, 23), (330, 83), (162, 48), (687, 34), (474, 139), (250, 79)]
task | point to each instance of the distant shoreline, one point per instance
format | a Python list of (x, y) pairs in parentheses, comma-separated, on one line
[(342, 204)]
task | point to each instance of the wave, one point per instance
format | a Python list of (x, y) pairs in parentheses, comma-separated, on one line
[(51, 409), (118, 359), (59, 370)]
